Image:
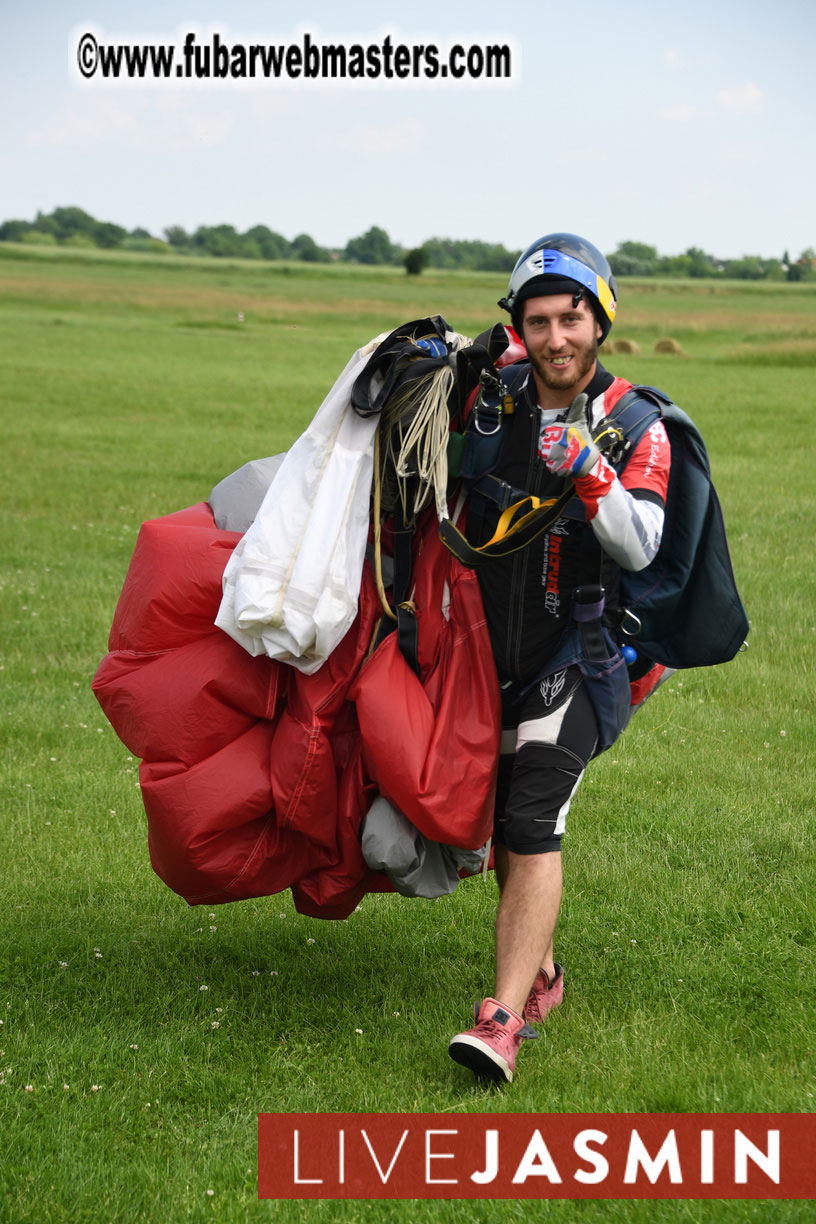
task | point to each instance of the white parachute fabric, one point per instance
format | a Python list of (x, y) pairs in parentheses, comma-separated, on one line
[(291, 587)]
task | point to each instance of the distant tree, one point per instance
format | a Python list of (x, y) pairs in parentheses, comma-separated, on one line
[(109, 235), (222, 241), (304, 247), (472, 255), (178, 237), (271, 244), (675, 265), (749, 267), (68, 221), (701, 264), (414, 261), (45, 224), (140, 232), (804, 268), (372, 247), (634, 259), (12, 231), (439, 253)]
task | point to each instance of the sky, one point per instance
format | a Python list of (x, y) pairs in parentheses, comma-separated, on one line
[(677, 125)]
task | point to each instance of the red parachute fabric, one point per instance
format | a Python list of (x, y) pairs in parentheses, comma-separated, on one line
[(256, 777)]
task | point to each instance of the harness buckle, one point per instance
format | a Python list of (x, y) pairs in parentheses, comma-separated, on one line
[(492, 401), (612, 441), (630, 619), (487, 433)]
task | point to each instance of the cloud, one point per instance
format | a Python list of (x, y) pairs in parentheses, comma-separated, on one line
[(397, 140), (162, 123), (745, 99), (671, 59), (679, 114)]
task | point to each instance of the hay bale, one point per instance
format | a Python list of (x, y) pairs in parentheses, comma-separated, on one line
[(668, 345), (626, 346)]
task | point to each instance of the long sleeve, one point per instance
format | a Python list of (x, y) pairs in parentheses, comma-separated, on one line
[(626, 514)]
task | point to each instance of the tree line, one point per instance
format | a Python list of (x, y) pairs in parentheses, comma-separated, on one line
[(73, 227)]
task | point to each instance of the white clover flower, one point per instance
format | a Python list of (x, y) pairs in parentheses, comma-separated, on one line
[(360, 1031), (203, 988), (215, 1024), (310, 941), (29, 1087)]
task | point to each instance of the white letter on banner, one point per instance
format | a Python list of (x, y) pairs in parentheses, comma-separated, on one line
[(536, 1162), (488, 1173), (652, 1168), (303, 1181), (599, 1162), (384, 1176), (707, 1158), (767, 1161), (429, 1156)]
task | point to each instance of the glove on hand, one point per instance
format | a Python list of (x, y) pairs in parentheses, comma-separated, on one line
[(574, 453)]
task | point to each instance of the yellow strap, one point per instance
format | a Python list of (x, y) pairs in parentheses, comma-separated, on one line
[(509, 522)]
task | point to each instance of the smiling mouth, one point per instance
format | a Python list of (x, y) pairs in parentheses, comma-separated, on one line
[(560, 361)]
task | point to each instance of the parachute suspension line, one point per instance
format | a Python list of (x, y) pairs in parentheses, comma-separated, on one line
[(378, 529), (416, 423)]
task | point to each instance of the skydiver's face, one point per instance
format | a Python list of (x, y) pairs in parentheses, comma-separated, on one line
[(562, 342)]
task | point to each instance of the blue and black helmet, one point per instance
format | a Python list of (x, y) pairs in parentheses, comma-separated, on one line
[(563, 263)]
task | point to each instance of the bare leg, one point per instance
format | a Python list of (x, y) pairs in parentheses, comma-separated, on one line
[(525, 924)]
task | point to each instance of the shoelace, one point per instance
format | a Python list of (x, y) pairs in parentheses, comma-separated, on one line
[(492, 1028)]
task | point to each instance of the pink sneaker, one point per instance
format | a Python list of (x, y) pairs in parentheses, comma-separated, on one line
[(544, 995), (490, 1047)]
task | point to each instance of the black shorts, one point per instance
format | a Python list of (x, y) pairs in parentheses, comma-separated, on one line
[(548, 737)]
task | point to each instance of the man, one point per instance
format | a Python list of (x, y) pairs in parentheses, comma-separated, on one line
[(562, 302)]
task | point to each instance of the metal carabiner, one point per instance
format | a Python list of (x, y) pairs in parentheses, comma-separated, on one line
[(486, 433), (636, 623)]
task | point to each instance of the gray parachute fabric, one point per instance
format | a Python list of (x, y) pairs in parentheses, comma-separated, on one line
[(236, 500), (416, 866)]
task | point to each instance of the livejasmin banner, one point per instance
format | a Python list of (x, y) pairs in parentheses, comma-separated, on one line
[(537, 1156)]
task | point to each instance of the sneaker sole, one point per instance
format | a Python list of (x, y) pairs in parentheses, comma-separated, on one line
[(472, 1053)]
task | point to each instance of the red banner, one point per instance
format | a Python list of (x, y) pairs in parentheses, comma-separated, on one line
[(536, 1156)]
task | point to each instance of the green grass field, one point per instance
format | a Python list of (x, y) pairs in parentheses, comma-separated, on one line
[(128, 388)]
